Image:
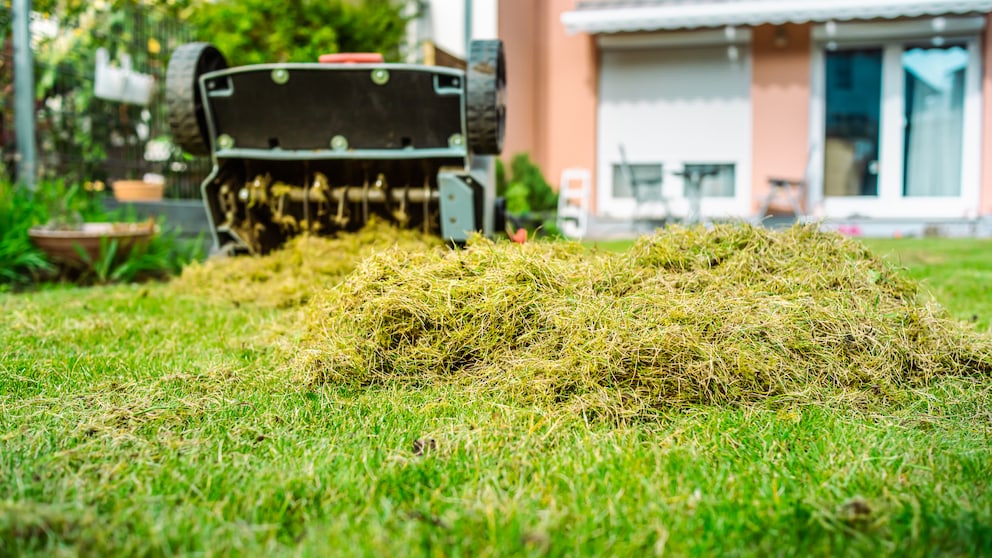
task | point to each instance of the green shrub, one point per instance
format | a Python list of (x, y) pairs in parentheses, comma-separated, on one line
[(67, 207), (525, 189), (20, 261), (262, 31), (162, 256), (529, 198)]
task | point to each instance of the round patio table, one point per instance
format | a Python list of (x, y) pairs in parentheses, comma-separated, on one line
[(693, 177)]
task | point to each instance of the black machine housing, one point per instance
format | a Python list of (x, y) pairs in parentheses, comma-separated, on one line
[(324, 147)]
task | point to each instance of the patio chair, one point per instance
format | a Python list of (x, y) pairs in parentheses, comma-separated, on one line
[(790, 189), (646, 193)]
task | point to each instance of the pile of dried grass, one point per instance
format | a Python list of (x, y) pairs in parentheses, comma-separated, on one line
[(305, 266), (731, 314)]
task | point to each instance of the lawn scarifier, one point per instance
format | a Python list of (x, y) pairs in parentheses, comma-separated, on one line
[(397, 141)]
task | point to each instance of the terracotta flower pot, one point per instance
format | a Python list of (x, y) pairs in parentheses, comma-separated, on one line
[(138, 190), (59, 245)]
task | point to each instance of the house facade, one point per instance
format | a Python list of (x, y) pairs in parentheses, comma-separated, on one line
[(883, 107)]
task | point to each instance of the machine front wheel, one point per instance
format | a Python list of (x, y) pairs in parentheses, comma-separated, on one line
[(485, 111), (182, 94)]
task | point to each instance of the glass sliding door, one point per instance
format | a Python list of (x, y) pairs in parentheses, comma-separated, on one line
[(896, 120), (934, 120), (853, 122)]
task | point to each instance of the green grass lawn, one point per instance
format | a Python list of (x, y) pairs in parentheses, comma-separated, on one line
[(137, 422), (956, 271)]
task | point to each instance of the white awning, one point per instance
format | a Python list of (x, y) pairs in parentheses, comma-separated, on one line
[(618, 16)]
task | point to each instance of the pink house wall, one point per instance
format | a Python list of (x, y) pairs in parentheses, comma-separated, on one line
[(552, 87), (780, 93), (572, 88), (521, 32)]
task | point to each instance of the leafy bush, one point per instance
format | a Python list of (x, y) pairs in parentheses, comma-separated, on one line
[(55, 205), (20, 261), (67, 207), (165, 254), (260, 31), (529, 198), (525, 189)]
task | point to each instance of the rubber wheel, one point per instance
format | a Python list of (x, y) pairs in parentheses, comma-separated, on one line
[(485, 111), (187, 117)]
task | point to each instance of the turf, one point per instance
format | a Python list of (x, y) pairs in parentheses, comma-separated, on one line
[(142, 421), (957, 271)]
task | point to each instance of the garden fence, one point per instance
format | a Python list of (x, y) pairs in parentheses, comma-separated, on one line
[(84, 138)]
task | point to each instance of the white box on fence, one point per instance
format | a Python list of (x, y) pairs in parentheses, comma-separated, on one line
[(121, 84)]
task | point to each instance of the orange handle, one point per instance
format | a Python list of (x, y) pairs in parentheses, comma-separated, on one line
[(351, 58)]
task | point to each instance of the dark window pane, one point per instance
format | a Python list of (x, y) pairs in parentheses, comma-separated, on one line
[(853, 113)]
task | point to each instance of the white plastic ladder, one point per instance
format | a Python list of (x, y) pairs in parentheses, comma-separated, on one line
[(574, 192)]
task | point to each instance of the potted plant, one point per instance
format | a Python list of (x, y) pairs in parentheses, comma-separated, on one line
[(150, 188), (85, 243), (70, 240)]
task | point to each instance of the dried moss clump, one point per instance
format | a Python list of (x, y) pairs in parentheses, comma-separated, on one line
[(732, 314), (305, 266)]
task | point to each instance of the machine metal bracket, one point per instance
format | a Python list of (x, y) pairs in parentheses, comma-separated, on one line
[(461, 200)]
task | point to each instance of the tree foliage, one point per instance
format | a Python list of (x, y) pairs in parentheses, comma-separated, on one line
[(259, 31)]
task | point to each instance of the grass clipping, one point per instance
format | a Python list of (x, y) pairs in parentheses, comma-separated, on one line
[(305, 266), (731, 314)]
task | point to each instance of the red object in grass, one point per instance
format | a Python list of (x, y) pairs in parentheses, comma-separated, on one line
[(351, 58), (520, 236)]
